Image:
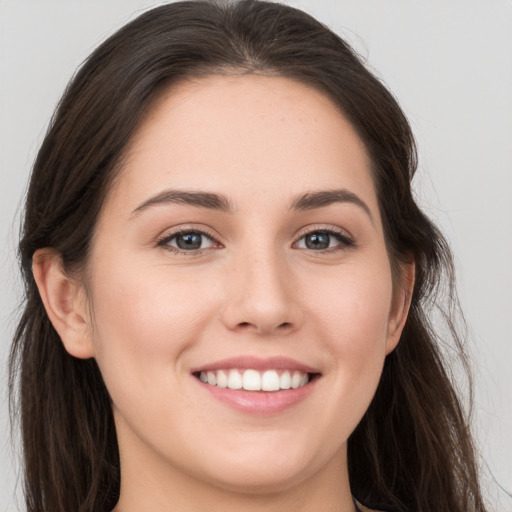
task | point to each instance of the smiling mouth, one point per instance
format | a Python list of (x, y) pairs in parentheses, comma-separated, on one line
[(256, 380)]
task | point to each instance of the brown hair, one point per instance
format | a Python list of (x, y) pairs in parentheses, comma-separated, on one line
[(413, 449)]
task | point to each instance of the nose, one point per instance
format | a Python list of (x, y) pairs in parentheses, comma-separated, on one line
[(260, 296)]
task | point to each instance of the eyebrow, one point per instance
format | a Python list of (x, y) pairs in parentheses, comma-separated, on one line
[(213, 201), (323, 198), (199, 199)]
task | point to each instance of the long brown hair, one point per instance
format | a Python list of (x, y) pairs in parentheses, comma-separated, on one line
[(412, 450)]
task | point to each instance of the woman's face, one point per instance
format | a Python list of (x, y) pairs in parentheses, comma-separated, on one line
[(243, 233)]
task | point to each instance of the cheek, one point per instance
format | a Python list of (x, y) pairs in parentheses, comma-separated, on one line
[(143, 320), (354, 309), (352, 324)]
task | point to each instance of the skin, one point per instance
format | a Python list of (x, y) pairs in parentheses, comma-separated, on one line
[(148, 314)]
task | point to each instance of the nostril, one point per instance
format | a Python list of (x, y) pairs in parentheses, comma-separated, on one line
[(265, 326)]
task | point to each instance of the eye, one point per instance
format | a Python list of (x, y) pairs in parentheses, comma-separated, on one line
[(188, 241), (324, 239)]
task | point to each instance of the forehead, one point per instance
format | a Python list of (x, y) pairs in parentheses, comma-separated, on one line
[(246, 133)]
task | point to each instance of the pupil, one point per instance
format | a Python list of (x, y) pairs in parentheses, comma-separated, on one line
[(317, 241), (189, 241)]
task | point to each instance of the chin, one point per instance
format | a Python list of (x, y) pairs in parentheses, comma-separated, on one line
[(263, 480), (269, 471)]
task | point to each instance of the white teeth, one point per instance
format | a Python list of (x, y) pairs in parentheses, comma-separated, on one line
[(270, 381), (222, 379), (296, 379), (253, 380), (285, 382), (234, 380)]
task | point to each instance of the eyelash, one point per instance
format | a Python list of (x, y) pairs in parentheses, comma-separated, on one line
[(345, 242), (163, 242)]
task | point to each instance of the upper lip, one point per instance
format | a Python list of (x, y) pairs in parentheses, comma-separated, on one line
[(256, 363)]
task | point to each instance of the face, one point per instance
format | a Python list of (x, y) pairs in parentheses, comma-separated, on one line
[(241, 244)]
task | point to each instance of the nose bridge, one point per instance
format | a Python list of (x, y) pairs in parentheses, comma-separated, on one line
[(260, 294)]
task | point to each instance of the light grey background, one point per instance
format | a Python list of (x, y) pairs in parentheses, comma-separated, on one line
[(449, 62)]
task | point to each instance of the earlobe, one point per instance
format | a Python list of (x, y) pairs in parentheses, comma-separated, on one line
[(64, 301), (401, 304)]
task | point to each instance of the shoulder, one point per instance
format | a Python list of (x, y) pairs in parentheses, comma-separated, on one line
[(363, 508)]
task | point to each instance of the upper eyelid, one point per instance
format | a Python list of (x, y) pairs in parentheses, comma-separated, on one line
[(302, 232), (168, 235), (322, 227)]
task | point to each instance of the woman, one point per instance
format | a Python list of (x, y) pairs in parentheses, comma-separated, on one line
[(228, 282)]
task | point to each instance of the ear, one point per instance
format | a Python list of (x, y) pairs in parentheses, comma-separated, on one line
[(401, 303), (64, 300)]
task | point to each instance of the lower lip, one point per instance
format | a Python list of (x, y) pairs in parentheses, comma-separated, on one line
[(260, 402)]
